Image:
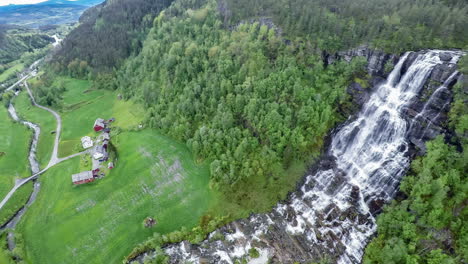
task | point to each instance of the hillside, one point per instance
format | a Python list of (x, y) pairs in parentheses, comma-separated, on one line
[(262, 131), (109, 33)]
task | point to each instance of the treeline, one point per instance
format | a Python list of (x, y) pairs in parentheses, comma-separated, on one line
[(392, 25), (242, 99), (107, 34), (112, 31), (431, 224)]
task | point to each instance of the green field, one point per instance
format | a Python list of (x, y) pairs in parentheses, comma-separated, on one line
[(17, 66), (44, 119), (82, 106), (18, 200), (14, 150), (101, 222)]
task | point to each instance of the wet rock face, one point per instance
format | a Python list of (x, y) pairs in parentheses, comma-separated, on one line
[(376, 59), (427, 113)]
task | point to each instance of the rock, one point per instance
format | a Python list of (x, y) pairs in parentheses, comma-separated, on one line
[(444, 56), (376, 59), (354, 195), (375, 206)]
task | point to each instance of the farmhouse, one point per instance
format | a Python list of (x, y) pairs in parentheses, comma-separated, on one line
[(99, 124), (100, 153), (82, 177), (86, 142)]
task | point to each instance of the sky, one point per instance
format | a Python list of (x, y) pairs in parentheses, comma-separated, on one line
[(19, 2)]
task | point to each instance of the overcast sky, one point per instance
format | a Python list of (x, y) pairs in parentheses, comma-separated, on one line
[(19, 2)]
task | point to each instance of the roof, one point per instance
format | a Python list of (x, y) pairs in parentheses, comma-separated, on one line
[(98, 155), (84, 175), (99, 122), (106, 136), (86, 142)]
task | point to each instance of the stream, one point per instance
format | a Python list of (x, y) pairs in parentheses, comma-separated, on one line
[(34, 165)]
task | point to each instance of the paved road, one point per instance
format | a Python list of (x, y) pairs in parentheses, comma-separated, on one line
[(54, 159)]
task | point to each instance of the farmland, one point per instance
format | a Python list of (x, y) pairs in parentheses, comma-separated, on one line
[(81, 106), (102, 221)]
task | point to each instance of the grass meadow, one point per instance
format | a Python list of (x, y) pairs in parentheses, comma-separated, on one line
[(81, 107), (14, 150), (101, 222)]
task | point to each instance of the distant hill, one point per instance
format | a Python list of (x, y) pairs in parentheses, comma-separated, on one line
[(46, 13)]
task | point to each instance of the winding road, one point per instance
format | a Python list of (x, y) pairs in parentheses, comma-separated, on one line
[(54, 159)]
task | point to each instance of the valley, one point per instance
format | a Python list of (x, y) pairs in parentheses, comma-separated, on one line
[(237, 132)]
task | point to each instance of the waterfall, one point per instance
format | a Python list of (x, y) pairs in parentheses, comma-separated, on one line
[(333, 212)]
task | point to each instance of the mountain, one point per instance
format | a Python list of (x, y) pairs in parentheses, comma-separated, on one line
[(45, 13)]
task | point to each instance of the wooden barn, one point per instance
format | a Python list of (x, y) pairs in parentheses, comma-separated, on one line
[(82, 177)]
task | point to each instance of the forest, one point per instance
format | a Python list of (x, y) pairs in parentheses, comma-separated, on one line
[(108, 33), (242, 99), (111, 32), (332, 25)]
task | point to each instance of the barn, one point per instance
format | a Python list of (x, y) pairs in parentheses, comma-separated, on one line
[(99, 124), (82, 177)]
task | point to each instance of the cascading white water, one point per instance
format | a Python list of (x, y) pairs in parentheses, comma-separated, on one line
[(332, 212)]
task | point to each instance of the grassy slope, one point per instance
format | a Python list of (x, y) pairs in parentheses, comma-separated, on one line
[(17, 66), (102, 221), (81, 107), (14, 141), (44, 119)]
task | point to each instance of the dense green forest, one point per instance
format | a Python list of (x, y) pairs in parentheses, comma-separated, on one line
[(431, 224), (332, 25), (108, 33), (242, 99), (111, 32)]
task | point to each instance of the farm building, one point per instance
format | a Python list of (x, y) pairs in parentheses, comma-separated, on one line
[(86, 142), (82, 177), (105, 136), (100, 153), (99, 124), (110, 165)]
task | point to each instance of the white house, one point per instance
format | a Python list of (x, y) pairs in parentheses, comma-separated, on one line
[(86, 142)]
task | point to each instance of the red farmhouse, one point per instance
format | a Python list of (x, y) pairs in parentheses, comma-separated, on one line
[(82, 177), (99, 125)]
